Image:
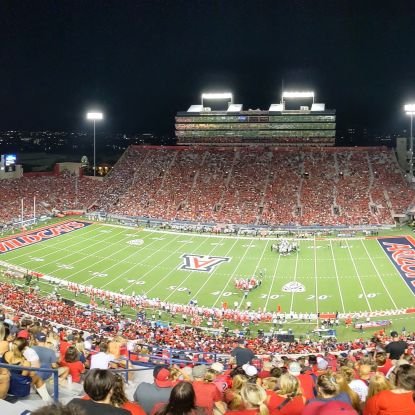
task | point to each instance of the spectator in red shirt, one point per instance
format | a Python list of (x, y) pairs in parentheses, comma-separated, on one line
[(71, 360), (400, 400), (254, 400), (206, 391), (288, 400)]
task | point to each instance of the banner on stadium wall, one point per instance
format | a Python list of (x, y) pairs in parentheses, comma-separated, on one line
[(401, 251)]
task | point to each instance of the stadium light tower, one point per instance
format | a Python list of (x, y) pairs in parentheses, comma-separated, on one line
[(410, 110), (94, 116)]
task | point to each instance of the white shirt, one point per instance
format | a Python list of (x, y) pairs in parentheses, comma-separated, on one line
[(101, 360), (360, 387), (31, 356)]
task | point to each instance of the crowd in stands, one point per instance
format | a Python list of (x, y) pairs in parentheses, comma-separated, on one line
[(380, 381), (255, 185)]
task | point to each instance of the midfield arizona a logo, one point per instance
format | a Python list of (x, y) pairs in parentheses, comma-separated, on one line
[(205, 263)]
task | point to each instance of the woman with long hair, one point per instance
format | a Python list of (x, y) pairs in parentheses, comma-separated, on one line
[(328, 390), (342, 379), (232, 396), (20, 381), (288, 398), (71, 361), (400, 399), (254, 400), (182, 401), (378, 383)]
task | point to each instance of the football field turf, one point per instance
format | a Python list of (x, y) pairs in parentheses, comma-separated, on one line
[(325, 275)]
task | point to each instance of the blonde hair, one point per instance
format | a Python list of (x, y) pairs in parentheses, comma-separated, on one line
[(210, 376), (348, 373), (269, 383), (289, 386), (238, 381), (378, 382), (343, 384), (175, 373), (254, 396)]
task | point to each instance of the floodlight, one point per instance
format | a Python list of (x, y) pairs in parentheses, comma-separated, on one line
[(94, 116), (409, 108), (298, 94), (217, 95)]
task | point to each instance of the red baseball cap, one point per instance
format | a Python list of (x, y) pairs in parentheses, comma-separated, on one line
[(329, 408), (162, 378), (24, 334)]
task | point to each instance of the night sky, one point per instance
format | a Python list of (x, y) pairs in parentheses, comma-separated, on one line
[(142, 61)]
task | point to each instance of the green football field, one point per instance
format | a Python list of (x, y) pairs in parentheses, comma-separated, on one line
[(344, 275)]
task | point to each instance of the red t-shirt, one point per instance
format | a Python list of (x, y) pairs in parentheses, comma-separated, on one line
[(243, 412), (206, 395), (294, 407), (75, 370), (388, 403), (307, 385), (386, 367)]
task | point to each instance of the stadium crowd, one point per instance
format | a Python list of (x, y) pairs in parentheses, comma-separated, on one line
[(379, 381), (228, 185)]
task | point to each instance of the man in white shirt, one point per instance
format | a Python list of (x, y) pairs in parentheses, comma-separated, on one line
[(102, 359)]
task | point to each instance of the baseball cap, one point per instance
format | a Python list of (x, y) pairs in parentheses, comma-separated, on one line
[(24, 334), (217, 367), (394, 334), (250, 370), (161, 377), (41, 337), (322, 364), (199, 371), (329, 408), (294, 368)]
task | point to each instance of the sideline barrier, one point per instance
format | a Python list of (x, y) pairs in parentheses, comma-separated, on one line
[(38, 369)]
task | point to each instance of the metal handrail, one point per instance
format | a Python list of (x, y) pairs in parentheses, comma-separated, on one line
[(38, 369)]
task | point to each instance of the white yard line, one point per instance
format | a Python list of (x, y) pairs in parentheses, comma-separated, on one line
[(295, 279), (232, 276), (272, 283), (315, 277), (379, 276), (174, 269), (212, 273), (337, 276), (42, 245), (135, 264), (358, 277)]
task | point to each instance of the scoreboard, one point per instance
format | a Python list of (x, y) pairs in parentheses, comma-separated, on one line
[(8, 163)]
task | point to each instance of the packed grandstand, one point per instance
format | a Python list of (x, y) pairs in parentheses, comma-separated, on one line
[(274, 187)]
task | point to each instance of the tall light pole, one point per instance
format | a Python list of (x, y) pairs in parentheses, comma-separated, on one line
[(410, 110), (94, 116)]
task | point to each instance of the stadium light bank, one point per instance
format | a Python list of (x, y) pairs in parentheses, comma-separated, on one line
[(410, 110), (216, 95), (94, 116), (297, 94)]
